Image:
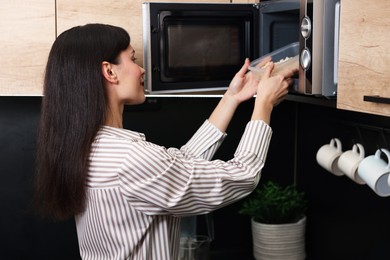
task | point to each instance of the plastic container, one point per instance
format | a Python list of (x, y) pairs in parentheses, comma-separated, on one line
[(195, 248), (285, 57)]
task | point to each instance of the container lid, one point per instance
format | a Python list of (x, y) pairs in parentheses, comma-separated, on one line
[(284, 57)]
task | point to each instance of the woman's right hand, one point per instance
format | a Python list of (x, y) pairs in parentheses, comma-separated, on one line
[(270, 92)]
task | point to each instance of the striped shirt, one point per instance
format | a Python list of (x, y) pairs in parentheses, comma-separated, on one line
[(138, 191)]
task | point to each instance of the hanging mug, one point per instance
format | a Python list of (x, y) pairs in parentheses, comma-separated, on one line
[(375, 171), (349, 162), (328, 155)]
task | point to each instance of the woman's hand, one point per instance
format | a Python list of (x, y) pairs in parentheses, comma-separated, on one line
[(243, 86), (270, 92)]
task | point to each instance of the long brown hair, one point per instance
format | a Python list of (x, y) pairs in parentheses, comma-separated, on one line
[(73, 109)]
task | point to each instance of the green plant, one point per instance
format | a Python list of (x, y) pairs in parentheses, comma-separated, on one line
[(273, 204)]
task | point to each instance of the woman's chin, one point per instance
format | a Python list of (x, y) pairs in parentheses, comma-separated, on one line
[(137, 101)]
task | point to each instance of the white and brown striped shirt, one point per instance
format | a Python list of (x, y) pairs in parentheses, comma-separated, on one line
[(137, 191)]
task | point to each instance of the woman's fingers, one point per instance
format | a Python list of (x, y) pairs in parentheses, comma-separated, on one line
[(264, 62), (244, 68), (268, 71)]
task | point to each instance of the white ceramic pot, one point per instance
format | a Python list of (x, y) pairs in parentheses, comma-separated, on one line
[(279, 241)]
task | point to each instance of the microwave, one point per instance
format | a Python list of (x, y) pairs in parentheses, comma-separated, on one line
[(319, 47), (198, 47)]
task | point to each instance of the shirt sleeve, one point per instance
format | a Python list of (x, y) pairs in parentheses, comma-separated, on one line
[(156, 180), (205, 142)]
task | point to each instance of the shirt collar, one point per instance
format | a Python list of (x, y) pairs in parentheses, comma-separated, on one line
[(120, 132)]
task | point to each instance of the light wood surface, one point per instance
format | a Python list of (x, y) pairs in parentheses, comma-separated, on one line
[(364, 58), (27, 32), (126, 14)]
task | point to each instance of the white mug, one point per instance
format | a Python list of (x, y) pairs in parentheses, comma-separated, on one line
[(349, 162), (328, 155), (374, 171)]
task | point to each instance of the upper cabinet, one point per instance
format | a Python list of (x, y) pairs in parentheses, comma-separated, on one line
[(27, 31), (364, 57), (126, 14)]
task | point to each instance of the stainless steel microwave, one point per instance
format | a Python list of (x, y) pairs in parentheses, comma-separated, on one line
[(319, 44), (198, 47)]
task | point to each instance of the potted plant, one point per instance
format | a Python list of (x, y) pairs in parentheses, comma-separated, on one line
[(278, 221)]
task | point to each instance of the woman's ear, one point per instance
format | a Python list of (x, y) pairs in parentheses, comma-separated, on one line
[(108, 72)]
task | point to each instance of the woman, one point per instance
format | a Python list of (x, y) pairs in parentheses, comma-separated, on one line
[(126, 194)]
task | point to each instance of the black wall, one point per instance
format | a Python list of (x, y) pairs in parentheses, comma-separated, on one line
[(345, 220), (22, 235)]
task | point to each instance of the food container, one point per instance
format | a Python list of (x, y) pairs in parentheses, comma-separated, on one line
[(285, 57)]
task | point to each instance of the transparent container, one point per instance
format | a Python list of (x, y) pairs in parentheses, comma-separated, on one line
[(285, 57), (194, 248)]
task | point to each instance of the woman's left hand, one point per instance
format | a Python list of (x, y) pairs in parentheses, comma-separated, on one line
[(244, 85)]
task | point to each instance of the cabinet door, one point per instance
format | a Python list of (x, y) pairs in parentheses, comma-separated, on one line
[(364, 57), (27, 30), (126, 14)]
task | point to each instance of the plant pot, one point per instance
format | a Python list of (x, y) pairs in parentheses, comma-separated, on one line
[(279, 241)]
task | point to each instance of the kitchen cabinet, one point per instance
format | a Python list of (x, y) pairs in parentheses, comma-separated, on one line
[(126, 14), (364, 57), (27, 31)]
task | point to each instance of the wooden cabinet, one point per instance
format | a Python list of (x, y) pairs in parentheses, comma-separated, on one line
[(126, 14), (364, 57), (27, 31)]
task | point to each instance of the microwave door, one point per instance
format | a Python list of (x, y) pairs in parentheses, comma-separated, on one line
[(279, 24)]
